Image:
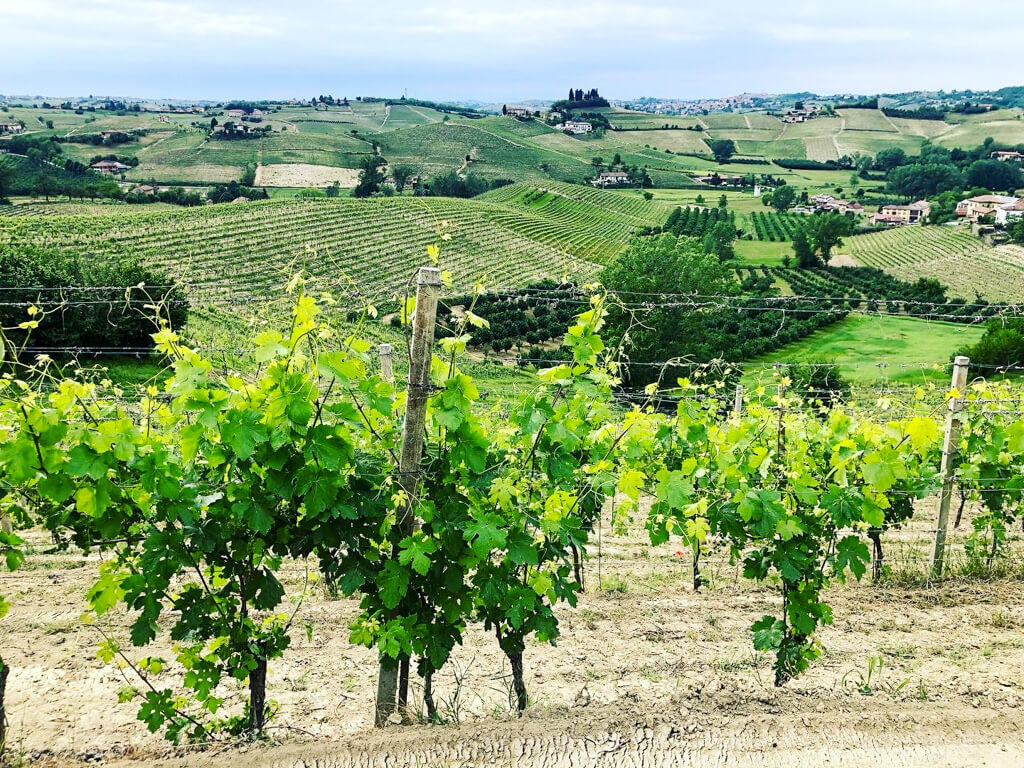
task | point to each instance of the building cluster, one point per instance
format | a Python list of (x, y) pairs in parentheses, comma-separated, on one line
[(519, 112), (1003, 209), (801, 115), (9, 129), (901, 215), (110, 167), (1008, 156), (694, 107), (575, 127), (831, 204), (611, 178)]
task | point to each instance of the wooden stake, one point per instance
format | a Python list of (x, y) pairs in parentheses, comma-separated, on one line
[(428, 283), (737, 406), (387, 370), (949, 444)]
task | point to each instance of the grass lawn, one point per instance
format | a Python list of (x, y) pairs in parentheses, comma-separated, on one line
[(858, 343), (763, 252)]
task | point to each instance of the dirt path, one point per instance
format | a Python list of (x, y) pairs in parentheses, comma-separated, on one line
[(890, 122), (155, 143), (630, 737), (387, 114), (424, 115), (746, 118)]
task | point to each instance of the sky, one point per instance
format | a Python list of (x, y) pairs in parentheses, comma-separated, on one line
[(502, 51)]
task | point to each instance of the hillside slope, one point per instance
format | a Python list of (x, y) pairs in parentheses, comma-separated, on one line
[(238, 252)]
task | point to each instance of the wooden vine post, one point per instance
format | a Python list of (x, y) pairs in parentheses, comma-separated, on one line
[(949, 445), (393, 694), (387, 370), (737, 406)]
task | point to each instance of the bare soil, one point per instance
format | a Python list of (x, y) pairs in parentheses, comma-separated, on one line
[(647, 673), (304, 175), (843, 260)]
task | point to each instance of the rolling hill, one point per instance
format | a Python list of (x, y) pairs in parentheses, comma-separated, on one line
[(229, 253)]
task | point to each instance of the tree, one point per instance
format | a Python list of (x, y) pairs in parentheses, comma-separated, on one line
[(889, 158), (504, 109), (783, 198), (723, 202), (719, 241), (921, 181), (723, 149), (813, 242), (45, 185), (994, 175), (665, 264), (6, 179), (401, 174), (1002, 344), (617, 160), (370, 176), (802, 251), (1016, 230), (213, 123)]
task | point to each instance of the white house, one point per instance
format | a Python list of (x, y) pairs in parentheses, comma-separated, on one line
[(611, 177), (576, 126), (1006, 214), (6, 128)]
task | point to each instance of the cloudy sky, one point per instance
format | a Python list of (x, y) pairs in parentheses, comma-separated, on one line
[(502, 51)]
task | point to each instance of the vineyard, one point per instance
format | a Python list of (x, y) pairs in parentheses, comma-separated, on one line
[(282, 507), (957, 259), (591, 224), (773, 227), (228, 254)]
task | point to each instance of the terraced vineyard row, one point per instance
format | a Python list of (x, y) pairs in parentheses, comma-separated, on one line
[(590, 224), (954, 257), (629, 204), (230, 253)]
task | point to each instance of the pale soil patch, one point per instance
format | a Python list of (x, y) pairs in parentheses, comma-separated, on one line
[(843, 260), (304, 175)]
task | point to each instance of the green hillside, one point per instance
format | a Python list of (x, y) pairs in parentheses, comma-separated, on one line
[(228, 253), (174, 147)]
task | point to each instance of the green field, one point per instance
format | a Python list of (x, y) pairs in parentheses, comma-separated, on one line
[(911, 351)]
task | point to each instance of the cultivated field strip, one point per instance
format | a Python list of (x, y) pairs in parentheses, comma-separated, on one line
[(954, 257), (590, 224), (235, 253)]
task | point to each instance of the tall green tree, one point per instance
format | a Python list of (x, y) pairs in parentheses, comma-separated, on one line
[(723, 149), (783, 197), (719, 241), (370, 176)]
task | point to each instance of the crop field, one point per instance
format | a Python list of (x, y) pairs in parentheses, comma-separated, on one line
[(231, 253), (866, 120), (952, 256), (821, 148), (773, 226), (590, 224)]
